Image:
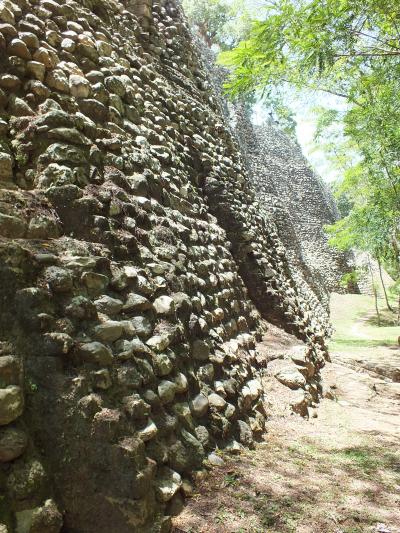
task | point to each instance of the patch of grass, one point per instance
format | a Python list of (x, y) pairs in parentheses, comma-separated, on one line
[(356, 325), (231, 479), (223, 515)]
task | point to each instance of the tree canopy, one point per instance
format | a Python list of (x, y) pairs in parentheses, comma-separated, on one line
[(349, 48), (223, 23)]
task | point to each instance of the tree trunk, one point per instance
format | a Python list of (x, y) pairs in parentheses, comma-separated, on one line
[(375, 291), (376, 306), (398, 312), (384, 288)]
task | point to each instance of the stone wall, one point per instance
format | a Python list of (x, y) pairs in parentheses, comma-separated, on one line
[(137, 270), (298, 201), (293, 199)]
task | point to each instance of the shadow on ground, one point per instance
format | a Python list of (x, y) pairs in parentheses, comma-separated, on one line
[(302, 485)]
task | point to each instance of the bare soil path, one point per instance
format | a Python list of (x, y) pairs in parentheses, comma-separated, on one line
[(337, 473)]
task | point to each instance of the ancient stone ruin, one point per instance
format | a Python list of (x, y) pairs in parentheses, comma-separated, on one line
[(139, 268)]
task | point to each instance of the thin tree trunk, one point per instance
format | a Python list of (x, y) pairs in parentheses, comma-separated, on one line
[(376, 306), (384, 288), (374, 290), (398, 312)]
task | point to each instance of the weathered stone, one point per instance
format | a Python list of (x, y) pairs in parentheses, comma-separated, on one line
[(94, 353), (10, 370), (136, 302), (206, 373), (6, 166), (57, 343), (13, 442), (12, 226), (299, 402), (46, 519), (167, 484), (181, 382), (11, 404), (148, 432), (136, 407), (138, 325), (102, 379), (162, 364), (216, 401), (164, 305), (126, 349), (81, 307), (166, 391), (59, 279), (57, 79), (244, 433), (215, 460), (95, 282), (9, 82), (199, 405), (18, 48), (158, 343), (109, 306), (79, 86), (291, 377), (108, 331), (201, 350)]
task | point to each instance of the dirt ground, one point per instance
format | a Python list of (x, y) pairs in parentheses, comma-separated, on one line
[(337, 473)]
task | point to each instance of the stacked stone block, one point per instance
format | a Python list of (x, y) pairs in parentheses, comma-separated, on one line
[(137, 267)]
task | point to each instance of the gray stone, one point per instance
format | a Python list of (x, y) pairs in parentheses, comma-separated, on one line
[(199, 405), (138, 325), (203, 435), (109, 306), (102, 379), (164, 305), (95, 353), (181, 382), (13, 442), (215, 460), (162, 364), (11, 404), (148, 432), (206, 373), (291, 377), (158, 343), (200, 350), (136, 302), (216, 401), (79, 86), (125, 349), (166, 391), (46, 519), (95, 282), (108, 331), (6, 166), (59, 279), (167, 483), (244, 433)]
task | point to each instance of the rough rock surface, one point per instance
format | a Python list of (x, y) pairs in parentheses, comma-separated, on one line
[(137, 268), (293, 199)]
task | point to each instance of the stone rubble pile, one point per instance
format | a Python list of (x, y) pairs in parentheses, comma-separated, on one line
[(137, 270)]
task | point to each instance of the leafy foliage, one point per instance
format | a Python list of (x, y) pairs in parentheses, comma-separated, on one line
[(349, 48), (222, 23)]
